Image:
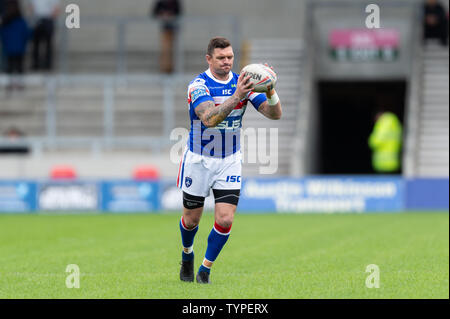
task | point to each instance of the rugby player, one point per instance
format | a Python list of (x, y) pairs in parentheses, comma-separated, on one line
[(212, 158)]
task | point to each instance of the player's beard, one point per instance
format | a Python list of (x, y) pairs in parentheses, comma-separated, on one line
[(223, 71)]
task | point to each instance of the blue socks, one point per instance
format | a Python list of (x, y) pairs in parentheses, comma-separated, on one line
[(187, 238), (187, 257), (216, 240)]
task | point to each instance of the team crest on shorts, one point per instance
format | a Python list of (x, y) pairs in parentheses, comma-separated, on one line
[(188, 181)]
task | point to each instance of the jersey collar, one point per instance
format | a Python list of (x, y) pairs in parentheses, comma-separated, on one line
[(230, 77)]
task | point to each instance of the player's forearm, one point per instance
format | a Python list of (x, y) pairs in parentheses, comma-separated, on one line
[(272, 112), (275, 111), (272, 109), (212, 116)]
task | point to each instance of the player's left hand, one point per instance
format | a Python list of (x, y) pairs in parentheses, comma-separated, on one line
[(270, 93)]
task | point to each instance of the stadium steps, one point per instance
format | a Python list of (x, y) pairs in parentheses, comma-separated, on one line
[(137, 62), (138, 109), (285, 55), (82, 112), (24, 110), (79, 111), (433, 139)]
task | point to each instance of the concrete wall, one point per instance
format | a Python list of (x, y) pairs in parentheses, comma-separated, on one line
[(87, 165)]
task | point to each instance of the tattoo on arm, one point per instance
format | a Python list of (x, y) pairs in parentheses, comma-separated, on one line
[(212, 115), (201, 109)]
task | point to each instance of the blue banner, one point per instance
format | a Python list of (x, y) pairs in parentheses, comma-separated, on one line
[(68, 196), (323, 194), (258, 195), (130, 196), (427, 193), (17, 196)]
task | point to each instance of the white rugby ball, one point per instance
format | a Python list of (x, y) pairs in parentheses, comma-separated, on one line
[(263, 77)]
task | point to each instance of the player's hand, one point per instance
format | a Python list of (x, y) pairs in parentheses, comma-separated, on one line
[(270, 93), (269, 66), (244, 86)]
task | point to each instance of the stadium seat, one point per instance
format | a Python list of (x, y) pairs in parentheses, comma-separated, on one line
[(63, 172), (146, 172)]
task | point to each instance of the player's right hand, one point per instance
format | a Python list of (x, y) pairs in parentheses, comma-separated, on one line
[(244, 86)]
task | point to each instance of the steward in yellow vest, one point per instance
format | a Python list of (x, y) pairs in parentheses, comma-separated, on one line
[(386, 142)]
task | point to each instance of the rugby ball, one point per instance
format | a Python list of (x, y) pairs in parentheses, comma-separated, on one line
[(263, 77)]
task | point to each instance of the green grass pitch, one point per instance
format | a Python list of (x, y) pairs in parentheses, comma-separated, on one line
[(267, 256)]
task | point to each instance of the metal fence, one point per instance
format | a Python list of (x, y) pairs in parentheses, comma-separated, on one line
[(171, 86)]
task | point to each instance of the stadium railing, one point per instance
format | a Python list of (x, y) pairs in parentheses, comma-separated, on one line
[(54, 138)]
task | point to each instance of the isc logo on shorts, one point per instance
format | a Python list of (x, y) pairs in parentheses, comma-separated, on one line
[(188, 181), (234, 179)]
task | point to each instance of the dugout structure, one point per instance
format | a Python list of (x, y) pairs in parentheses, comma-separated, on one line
[(353, 72)]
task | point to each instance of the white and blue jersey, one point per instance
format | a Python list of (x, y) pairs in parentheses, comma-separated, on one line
[(224, 139)]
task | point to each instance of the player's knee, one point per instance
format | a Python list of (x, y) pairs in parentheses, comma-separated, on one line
[(191, 220), (225, 221), (192, 202), (224, 216)]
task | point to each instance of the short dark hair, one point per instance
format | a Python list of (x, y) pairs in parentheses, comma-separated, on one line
[(217, 42)]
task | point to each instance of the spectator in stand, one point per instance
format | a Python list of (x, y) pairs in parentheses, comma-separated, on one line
[(45, 13), (168, 12), (14, 34), (435, 21)]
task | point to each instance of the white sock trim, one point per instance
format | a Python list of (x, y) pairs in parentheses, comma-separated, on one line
[(203, 263), (220, 233), (188, 250)]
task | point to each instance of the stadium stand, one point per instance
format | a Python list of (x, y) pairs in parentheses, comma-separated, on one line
[(98, 107), (286, 56), (27, 112), (433, 149)]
